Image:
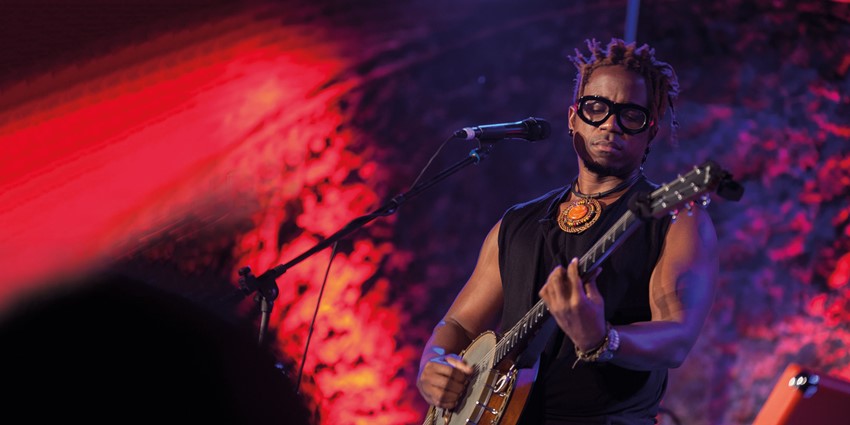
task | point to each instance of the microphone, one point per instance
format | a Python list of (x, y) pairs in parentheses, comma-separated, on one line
[(531, 129)]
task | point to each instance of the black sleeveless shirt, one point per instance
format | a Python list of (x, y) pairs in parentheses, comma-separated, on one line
[(530, 245)]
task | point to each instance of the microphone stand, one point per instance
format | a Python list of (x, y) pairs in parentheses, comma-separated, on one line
[(265, 284)]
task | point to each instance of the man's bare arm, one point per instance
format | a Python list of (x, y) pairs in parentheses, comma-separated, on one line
[(681, 292), (442, 375)]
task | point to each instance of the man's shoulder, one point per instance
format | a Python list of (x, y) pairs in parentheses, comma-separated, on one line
[(538, 205)]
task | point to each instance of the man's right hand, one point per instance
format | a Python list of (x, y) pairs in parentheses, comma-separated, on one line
[(443, 379)]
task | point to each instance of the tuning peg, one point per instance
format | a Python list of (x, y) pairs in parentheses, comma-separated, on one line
[(674, 214), (704, 200)]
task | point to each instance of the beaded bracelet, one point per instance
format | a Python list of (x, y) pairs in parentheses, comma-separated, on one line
[(604, 351)]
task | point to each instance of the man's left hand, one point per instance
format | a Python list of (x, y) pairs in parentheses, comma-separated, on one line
[(576, 305)]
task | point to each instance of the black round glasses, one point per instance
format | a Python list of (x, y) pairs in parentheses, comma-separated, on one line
[(632, 118)]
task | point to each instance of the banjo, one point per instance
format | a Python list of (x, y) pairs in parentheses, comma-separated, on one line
[(498, 389)]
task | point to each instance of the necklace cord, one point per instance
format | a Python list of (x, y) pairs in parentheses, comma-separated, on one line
[(599, 195)]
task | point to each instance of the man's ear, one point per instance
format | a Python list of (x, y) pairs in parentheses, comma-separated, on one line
[(653, 130), (572, 117)]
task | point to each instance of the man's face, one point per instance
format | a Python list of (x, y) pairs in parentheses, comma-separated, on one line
[(606, 149)]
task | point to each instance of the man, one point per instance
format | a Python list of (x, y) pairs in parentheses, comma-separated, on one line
[(623, 326)]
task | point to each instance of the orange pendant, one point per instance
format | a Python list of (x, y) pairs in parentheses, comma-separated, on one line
[(579, 215)]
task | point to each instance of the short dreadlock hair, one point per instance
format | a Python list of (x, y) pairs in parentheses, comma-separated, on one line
[(662, 83)]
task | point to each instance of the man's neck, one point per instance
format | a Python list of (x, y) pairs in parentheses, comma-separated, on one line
[(590, 182)]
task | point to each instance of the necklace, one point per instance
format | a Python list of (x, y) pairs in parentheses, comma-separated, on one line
[(585, 209)]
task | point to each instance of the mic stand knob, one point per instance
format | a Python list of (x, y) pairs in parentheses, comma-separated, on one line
[(266, 293)]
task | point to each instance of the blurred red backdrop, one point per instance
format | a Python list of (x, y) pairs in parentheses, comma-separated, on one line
[(224, 121)]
